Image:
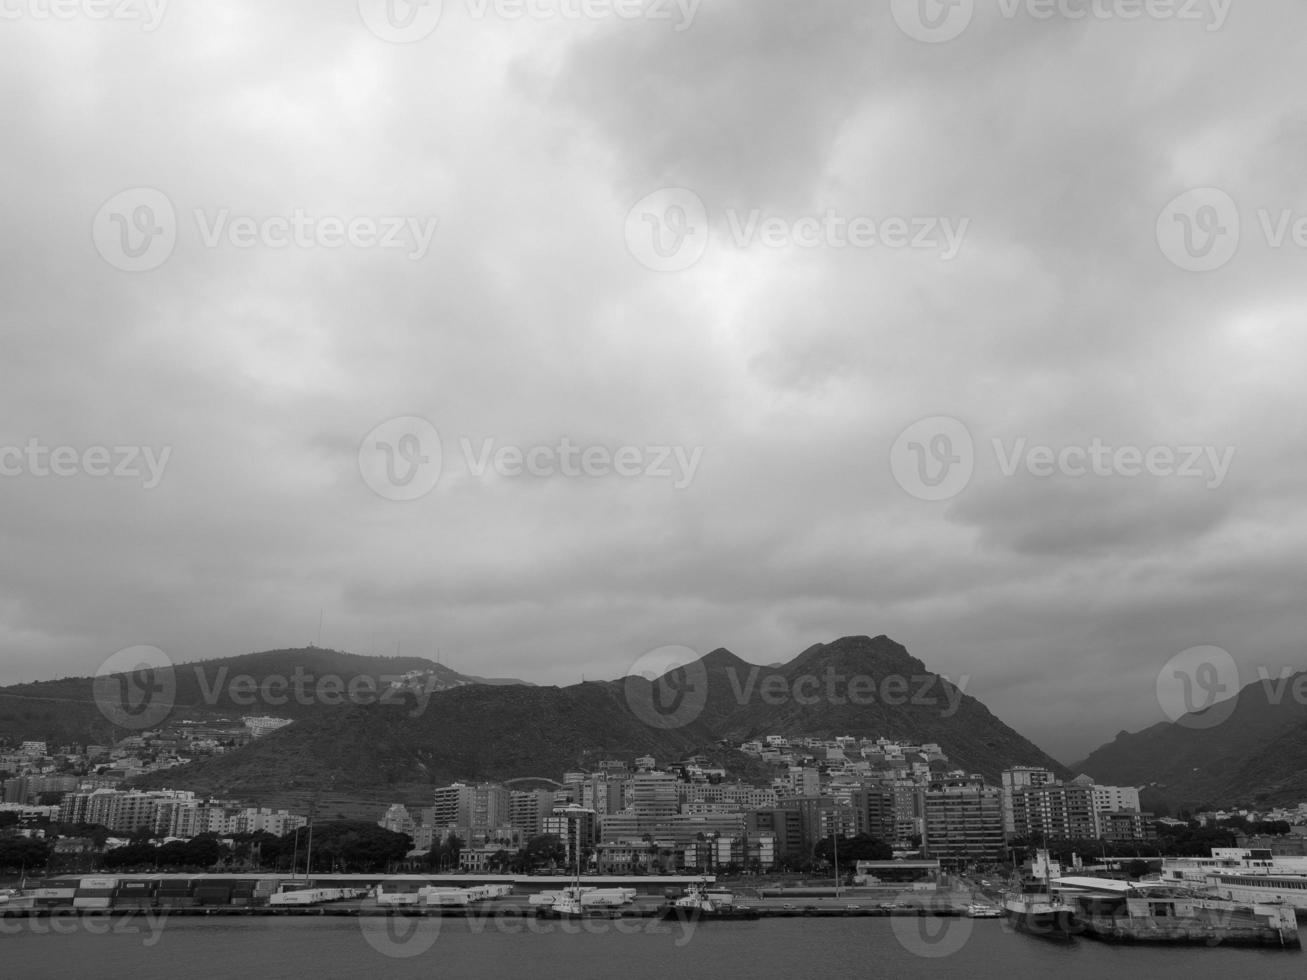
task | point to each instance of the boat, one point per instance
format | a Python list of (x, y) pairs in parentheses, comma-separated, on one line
[(1032, 906), (1161, 912), (1040, 914), (699, 904), (1249, 875), (978, 911), (569, 903)]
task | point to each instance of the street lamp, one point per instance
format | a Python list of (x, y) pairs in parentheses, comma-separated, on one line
[(835, 841)]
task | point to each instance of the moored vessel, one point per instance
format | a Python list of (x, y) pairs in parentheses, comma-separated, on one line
[(1158, 912), (1034, 907), (698, 904)]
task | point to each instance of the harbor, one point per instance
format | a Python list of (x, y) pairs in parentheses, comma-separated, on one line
[(453, 896)]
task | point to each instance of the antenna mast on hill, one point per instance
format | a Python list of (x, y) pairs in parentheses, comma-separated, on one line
[(320, 612)]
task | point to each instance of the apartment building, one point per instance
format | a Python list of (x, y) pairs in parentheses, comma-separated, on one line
[(1018, 778), (1057, 811), (963, 821), (476, 812), (527, 810), (875, 812)]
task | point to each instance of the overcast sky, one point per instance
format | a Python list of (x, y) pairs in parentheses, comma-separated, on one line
[(245, 237)]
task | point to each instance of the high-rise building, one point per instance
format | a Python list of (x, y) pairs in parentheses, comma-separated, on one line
[(816, 816), (783, 825), (1115, 799), (528, 809), (1057, 811), (1016, 778), (963, 821), (569, 823), (474, 812), (875, 812), (652, 796)]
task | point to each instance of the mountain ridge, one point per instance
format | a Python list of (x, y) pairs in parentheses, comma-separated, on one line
[(1250, 749), (712, 705)]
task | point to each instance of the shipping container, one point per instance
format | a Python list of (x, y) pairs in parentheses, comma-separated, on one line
[(98, 883), (92, 903), (54, 893)]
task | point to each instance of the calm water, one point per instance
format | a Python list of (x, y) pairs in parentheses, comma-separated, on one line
[(785, 949)]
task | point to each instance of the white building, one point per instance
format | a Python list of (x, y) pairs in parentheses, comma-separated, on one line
[(263, 725), (1115, 799)]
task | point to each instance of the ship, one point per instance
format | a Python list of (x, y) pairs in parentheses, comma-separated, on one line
[(1250, 875), (699, 904), (1160, 912), (566, 905), (1040, 914), (1034, 907)]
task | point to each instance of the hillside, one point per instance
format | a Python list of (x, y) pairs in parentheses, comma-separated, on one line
[(906, 701), (1256, 756), (387, 753), (64, 711)]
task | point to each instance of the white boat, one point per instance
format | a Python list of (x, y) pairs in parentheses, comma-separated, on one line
[(978, 911), (569, 903), (700, 903)]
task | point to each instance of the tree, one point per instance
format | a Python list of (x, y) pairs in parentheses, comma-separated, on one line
[(23, 853), (357, 846), (545, 850), (863, 847)]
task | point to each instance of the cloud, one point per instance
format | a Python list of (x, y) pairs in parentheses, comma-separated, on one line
[(528, 322)]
